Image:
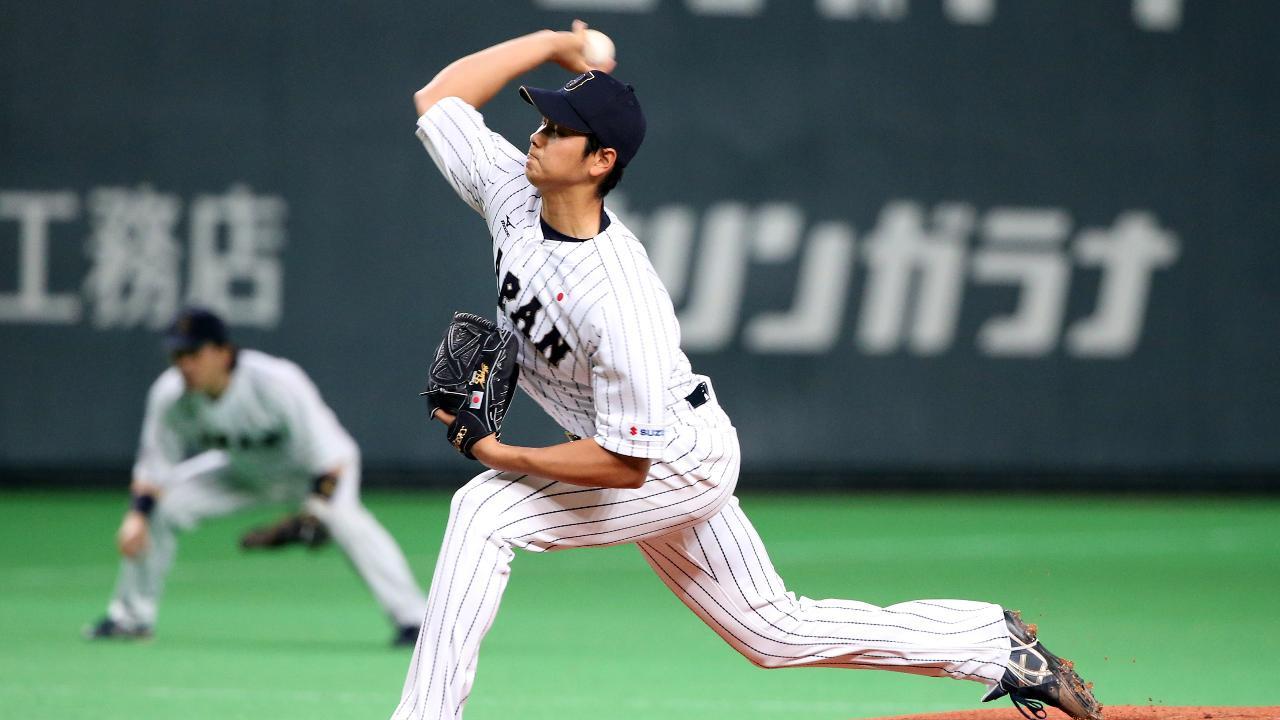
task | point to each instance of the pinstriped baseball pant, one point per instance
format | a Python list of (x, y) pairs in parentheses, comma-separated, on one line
[(693, 534), (198, 491)]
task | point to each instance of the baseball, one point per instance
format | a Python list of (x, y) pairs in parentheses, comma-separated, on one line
[(598, 48)]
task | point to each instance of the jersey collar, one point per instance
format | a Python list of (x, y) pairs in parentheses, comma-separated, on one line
[(551, 233)]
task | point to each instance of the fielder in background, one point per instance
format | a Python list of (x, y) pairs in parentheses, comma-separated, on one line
[(653, 458), (229, 428)]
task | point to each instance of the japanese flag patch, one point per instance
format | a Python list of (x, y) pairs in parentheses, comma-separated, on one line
[(477, 399)]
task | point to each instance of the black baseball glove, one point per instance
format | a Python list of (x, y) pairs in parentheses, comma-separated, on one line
[(473, 378), (300, 529)]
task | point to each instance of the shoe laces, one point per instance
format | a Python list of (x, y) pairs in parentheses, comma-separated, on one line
[(1030, 709), (1028, 676)]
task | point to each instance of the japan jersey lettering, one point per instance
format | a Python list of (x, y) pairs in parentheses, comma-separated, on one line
[(600, 349), (270, 421)]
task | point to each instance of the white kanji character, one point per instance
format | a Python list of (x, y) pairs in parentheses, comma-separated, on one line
[(1129, 253), (241, 276), (1158, 15), (134, 279), (708, 321), (812, 324), (33, 302), (726, 8), (891, 10), (903, 256), (969, 12), (1022, 246)]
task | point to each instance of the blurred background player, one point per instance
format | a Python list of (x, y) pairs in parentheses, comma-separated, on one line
[(229, 428)]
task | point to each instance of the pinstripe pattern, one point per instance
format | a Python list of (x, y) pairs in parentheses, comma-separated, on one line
[(720, 570), (268, 397), (623, 371), (497, 512), (624, 368)]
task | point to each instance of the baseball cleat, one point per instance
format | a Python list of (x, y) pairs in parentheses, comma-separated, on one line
[(106, 628), (1036, 677)]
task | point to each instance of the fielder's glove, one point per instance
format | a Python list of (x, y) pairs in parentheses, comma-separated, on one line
[(473, 378), (302, 529)]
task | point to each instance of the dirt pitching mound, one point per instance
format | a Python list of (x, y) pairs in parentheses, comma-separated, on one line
[(1117, 712)]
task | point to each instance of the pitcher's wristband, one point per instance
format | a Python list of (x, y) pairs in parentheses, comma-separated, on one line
[(144, 504)]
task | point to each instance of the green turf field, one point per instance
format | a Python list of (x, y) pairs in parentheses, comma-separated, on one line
[(1172, 601)]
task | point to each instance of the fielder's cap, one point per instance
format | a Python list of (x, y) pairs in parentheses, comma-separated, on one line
[(595, 102), (192, 328)]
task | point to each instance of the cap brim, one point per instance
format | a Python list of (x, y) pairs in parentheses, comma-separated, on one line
[(554, 106), (178, 344)]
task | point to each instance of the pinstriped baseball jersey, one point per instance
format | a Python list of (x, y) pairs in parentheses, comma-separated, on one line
[(601, 345), (264, 439), (601, 354), (271, 422)]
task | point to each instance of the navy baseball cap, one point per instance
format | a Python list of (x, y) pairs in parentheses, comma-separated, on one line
[(595, 102), (192, 328)]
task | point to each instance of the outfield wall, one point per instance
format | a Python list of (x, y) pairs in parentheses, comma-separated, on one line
[(958, 236)]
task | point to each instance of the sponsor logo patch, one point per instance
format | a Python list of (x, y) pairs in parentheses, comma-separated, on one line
[(647, 432)]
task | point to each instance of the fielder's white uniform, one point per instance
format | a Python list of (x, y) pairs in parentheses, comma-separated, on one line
[(601, 354), (263, 440)]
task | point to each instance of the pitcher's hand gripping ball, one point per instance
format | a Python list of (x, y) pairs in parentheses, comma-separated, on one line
[(473, 378), (598, 49)]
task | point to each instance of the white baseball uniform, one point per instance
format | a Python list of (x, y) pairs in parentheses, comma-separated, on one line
[(601, 354), (263, 440)]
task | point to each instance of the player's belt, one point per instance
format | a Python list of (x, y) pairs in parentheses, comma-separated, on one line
[(699, 396)]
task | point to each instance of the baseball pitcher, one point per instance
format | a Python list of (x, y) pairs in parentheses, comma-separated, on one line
[(652, 458)]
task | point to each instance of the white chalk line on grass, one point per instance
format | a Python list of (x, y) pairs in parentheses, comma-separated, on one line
[(172, 692), (93, 573), (1022, 543)]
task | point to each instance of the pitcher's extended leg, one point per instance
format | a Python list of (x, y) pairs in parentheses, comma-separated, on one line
[(720, 570)]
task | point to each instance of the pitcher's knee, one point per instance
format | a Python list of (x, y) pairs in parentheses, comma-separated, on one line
[(759, 659), (475, 507), (763, 644)]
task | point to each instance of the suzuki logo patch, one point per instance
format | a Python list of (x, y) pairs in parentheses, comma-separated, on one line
[(647, 432)]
